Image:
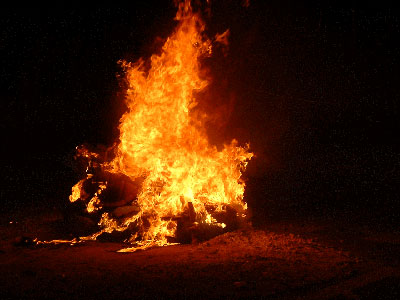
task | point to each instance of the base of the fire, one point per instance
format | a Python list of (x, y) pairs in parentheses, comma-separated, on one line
[(85, 219)]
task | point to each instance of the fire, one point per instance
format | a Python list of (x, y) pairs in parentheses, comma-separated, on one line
[(163, 157)]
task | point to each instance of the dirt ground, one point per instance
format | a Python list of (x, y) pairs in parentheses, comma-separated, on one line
[(289, 259)]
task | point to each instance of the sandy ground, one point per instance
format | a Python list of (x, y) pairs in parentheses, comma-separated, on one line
[(280, 260)]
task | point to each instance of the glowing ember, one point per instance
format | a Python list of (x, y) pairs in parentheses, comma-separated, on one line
[(163, 166)]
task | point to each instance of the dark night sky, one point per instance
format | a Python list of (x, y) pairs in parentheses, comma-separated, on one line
[(314, 88)]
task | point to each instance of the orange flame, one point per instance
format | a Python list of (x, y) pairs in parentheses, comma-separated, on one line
[(163, 144)]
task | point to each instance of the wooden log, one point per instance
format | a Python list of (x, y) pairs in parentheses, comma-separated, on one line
[(192, 213)]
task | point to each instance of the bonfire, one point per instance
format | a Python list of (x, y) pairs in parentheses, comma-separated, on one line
[(163, 182)]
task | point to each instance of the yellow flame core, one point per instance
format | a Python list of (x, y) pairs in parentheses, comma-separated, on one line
[(163, 141), (77, 191)]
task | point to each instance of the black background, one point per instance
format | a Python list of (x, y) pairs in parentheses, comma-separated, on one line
[(313, 88)]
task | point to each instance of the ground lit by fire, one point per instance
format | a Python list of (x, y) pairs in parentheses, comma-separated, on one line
[(284, 260)]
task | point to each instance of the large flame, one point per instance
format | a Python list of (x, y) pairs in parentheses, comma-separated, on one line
[(163, 147)]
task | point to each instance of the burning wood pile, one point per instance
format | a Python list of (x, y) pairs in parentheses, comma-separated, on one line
[(163, 182)]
